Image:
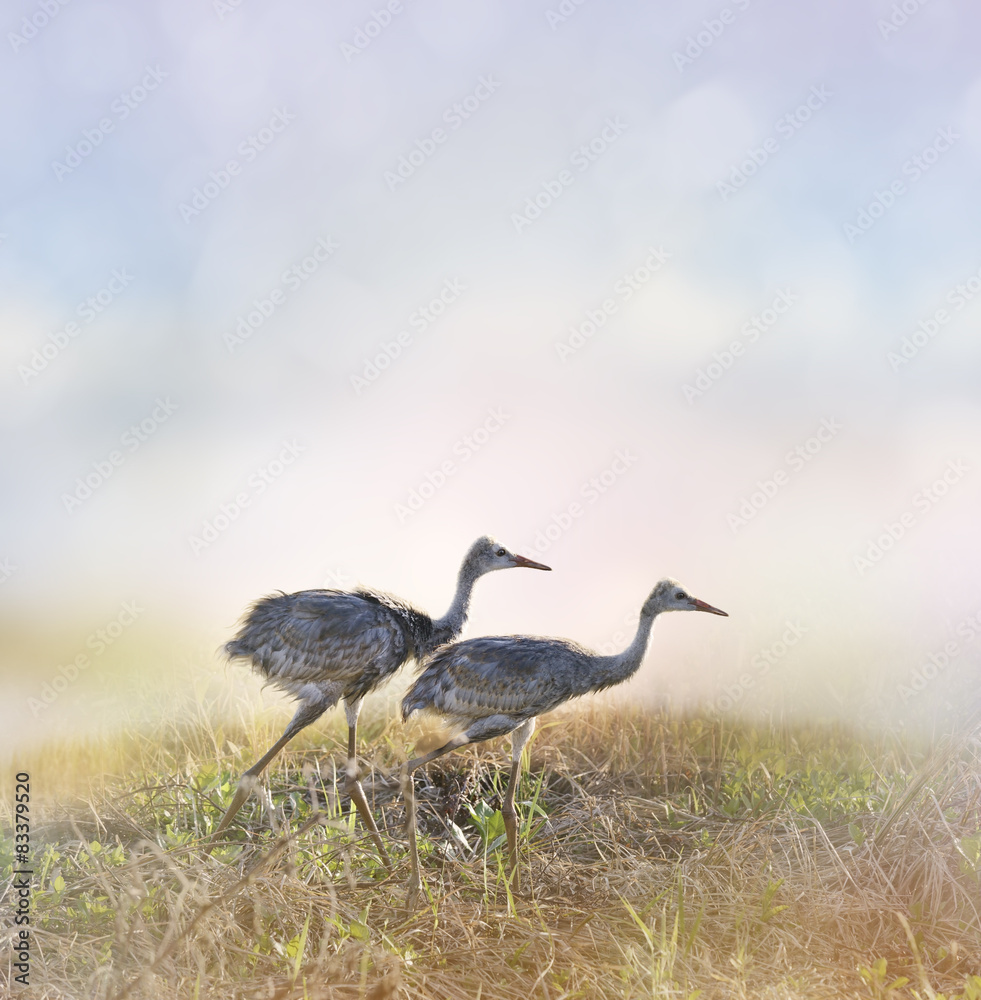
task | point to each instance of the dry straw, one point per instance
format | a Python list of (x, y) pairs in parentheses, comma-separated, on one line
[(661, 857)]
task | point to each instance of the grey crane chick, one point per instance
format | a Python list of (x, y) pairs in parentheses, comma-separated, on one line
[(324, 646), (495, 685)]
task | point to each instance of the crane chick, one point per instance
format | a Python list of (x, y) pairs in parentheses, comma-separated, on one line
[(495, 685), (324, 646)]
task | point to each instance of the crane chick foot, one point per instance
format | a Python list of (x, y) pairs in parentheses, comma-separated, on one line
[(511, 829), (409, 798), (246, 785), (356, 791)]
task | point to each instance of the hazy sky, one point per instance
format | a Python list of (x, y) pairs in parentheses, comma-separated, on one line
[(296, 295)]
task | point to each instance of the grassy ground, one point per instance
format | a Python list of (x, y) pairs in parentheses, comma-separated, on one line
[(661, 857)]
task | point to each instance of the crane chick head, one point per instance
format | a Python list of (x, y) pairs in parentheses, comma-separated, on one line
[(669, 595), (487, 554)]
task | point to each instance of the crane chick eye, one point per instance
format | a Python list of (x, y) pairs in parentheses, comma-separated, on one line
[(680, 596), (501, 552)]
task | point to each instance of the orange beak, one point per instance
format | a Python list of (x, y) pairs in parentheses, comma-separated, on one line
[(529, 563), (702, 606)]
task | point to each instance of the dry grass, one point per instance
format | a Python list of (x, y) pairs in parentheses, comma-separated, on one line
[(662, 857)]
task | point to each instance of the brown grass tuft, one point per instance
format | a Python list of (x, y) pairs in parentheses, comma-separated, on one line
[(662, 857)]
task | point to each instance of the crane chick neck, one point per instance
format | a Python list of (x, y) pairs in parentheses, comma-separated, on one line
[(478, 561)]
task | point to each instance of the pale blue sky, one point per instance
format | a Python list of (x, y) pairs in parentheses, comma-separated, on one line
[(312, 131)]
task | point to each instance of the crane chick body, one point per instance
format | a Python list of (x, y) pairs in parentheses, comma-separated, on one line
[(334, 644), (323, 646), (495, 685)]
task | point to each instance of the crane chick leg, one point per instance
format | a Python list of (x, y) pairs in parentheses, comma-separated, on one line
[(352, 709), (519, 738), (308, 712), (409, 798), (482, 729)]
